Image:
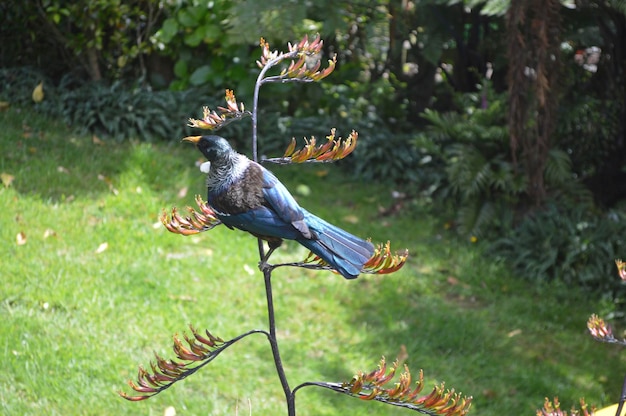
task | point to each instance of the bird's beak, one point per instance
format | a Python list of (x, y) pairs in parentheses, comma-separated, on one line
[(192, 139)]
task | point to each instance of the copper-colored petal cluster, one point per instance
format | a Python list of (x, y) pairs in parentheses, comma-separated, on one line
[(333, 149), (302, 69), (266, 54), (599, 329), (196, 222), (381, 262), (554, 409), (439, 401), (166, 372), (384, 262), (305, 63), (304, 46), (621, 269), (213, 120)]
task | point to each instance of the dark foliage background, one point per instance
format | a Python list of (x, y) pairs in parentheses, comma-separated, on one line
[(426, 84)]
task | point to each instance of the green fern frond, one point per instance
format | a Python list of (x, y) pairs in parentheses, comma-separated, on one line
[(558, 167), (619, 5), (468, 170), (474, 216)]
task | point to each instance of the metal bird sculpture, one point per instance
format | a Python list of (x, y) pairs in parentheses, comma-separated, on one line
[(246, 196)]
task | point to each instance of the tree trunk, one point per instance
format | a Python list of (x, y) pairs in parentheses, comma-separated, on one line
[(93, 67), (533, 28)]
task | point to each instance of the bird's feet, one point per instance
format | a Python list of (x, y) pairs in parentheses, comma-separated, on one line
[(263, 264)]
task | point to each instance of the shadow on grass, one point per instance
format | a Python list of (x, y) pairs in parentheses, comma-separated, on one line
[(507, 344), (46, 159), (485, 333), (505, 341)]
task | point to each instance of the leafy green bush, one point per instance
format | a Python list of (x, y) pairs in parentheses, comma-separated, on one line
[(388, 157), (481, 182), (17, 84), (473, 153), (195, 35), (118, 110), (567, 244), (102, 36), (385, 152), (121, 112)]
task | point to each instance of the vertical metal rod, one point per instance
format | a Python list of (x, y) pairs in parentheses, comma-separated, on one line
[(289, 396)]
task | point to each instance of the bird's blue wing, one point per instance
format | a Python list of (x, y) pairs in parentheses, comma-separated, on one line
[(283, 203), (262, 221)]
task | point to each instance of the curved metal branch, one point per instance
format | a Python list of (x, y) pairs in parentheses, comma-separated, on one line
[(199, 352)]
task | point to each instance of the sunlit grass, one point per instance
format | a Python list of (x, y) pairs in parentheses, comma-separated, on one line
[(99, 285)]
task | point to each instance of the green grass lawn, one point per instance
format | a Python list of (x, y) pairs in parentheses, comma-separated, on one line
[(99, 285)]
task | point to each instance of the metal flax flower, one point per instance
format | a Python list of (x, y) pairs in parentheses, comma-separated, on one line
[(195, 352), (309, 63), (267, 55), (599, 329), (196, 222), (373, 386), (621, 269), (334, 149), (214, 120), (381, 262), (305, 61), (553, 408)]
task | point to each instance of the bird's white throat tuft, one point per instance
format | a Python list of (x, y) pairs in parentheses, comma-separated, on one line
[(205, 167), (221, 175)]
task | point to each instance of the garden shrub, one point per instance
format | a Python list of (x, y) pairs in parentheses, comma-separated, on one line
[(570, 244)]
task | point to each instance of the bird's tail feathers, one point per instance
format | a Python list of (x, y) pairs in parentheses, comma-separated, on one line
[(343, 251)]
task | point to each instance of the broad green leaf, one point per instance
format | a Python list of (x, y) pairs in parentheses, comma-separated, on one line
[(187, 18), (200, 75), (169, 30), (181, 68), (195, 38)]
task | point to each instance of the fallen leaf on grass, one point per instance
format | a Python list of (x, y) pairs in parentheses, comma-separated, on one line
[(38, 93), (303, 190), (248, 269), (96, 140), (62, 169), (352, 219), (109, 183), (490, 394), (49, 233), (183, 298), (514, 333), (6, 179), (102, 247), (20, 238), (182, 192), (452, 281)]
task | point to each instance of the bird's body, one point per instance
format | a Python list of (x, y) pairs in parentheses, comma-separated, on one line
[(249, 197)]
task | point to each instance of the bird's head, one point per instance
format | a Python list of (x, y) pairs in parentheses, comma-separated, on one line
[(212, 147)]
